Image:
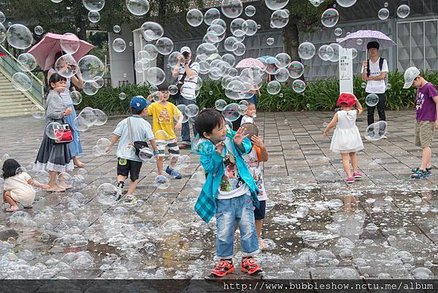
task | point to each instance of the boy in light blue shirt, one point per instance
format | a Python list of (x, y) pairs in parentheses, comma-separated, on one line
[(129, 130)]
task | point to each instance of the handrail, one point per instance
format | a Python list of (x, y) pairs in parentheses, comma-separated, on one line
[(11, 65)]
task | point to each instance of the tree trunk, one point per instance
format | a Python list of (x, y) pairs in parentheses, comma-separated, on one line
[(291, 40)]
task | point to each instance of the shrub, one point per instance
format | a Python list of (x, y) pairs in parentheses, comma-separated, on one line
[(319, 95)]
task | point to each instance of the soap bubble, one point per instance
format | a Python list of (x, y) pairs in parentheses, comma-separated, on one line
[(122, 96), (2, 17), (119, 45), (282, 74), (383, 14), (107, 194), (138, 7), (173, 89), (220, 104), (152, 31), (330, 17), (164, 46), (298, 86), (54, 130), (346, 3), (403, 11), (149, 52), (117, 29), (93, 5), (94, 16), (295, 69), (91, 68), (306, 50), (76, 97), (282, 60), (231, 112), (27, 62), (273, 87), (69, 43), (37, 113), (250, 27), (372, 100), (338, 31), (270, 41), (90, 88), (376, 131), (38, 30), (210, 15), (21, 81), (240, 49), (2, 33), (66, 66), (232, 8), (162, 182), (194, 17), (101, 117), (250, 10), (325, 52), (276, 4), (19, 36), (279, 19), (191, 110), (237, 28), (155, 75)]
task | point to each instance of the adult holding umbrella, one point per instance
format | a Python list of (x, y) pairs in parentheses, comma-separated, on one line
[(374, 69), (50, 51)]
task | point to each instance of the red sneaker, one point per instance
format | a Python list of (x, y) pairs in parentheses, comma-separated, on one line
[(224, 267), (250, 266)]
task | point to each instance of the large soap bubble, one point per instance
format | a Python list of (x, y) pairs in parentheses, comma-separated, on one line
[(346, 3), (372, 100), (27, 62), (325, 52), (21, 81), (231, 112), (66, 66), (119, 45), (101, 117), (282, 74), (164, 46), (330, 17), (70, 43), (250, 10), (91, 67), (149, 52), (403, 11), (19, 36), (107, 194), (90, 88), (295, 69), (279, 18), (138, 7), (93, 5), (194, 17), (298, 86), (220, 104), (152, 31), (210, 15), (237, 27), (276, 4), (155, 75), (383, 14), (232, 8), (205, 50), (306, 50), (282, 60), (273, 87), (376, 131), (54, 130), (250, 27)]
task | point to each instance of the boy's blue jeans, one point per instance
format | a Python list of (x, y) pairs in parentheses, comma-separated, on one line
[(237, 210)]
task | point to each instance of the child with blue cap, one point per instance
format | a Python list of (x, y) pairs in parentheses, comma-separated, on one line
[(132, 129)]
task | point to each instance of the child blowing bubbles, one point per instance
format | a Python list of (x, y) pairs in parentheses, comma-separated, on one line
[(18, 186), (229, 191), (346, 138)]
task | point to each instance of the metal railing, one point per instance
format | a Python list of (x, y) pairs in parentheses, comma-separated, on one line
[(10, 65)]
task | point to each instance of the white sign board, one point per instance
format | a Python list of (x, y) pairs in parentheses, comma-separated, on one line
[(345, 70)]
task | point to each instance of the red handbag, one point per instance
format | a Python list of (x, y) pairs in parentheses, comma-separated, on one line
[(63, 134)]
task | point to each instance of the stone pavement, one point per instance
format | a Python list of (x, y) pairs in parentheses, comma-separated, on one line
[(384, 226)]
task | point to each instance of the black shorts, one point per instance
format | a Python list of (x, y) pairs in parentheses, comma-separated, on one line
[(125, 167), (259, 213)]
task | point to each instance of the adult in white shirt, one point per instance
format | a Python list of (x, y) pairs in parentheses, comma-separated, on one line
[(374, 71), (186, 74)]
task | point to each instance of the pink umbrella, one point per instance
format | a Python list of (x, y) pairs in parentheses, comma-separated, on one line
[(249, 62), (46, 49)]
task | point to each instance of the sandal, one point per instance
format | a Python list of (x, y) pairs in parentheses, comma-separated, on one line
[(12, 209)]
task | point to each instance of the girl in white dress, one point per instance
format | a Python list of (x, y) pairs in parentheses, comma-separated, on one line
[(346, 138)]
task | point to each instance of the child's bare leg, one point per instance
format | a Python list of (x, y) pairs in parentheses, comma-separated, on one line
[(426, 158), (78, 163), (173, 161), (354, 161), (8, 198), (259, 225), (160, 163), (132, 186), (346, 164)]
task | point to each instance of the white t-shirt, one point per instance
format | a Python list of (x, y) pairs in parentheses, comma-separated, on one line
[(188, 89), (376, 86), (21, 191), (256, 171), (231, 185), (247, 119), (140, 130)]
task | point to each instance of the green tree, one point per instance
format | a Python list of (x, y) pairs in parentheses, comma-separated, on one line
[(303, 17)]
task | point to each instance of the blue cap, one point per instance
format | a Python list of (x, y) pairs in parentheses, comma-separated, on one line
[(139, 103)]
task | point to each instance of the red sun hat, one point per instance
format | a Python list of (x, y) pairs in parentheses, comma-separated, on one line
[(346, 98)]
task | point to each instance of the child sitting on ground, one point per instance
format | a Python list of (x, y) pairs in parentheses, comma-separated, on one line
[(18, 186), (229, 191)]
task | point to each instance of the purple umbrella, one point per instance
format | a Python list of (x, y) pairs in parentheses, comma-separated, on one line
[(352, 40)]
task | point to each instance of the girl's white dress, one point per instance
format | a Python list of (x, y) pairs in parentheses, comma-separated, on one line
[(346, 137)]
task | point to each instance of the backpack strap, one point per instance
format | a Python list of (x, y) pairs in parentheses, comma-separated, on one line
[(381, 63), (368, 68)]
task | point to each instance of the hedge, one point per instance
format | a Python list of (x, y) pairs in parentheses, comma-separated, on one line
[(319, 95)]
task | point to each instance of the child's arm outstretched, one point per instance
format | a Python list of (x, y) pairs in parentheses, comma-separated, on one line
[(331, 124), (257, 141), (114, 139), (359, 107), (37, 184)]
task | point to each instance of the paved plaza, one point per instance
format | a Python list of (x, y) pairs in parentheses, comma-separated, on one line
[(317, 226)]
